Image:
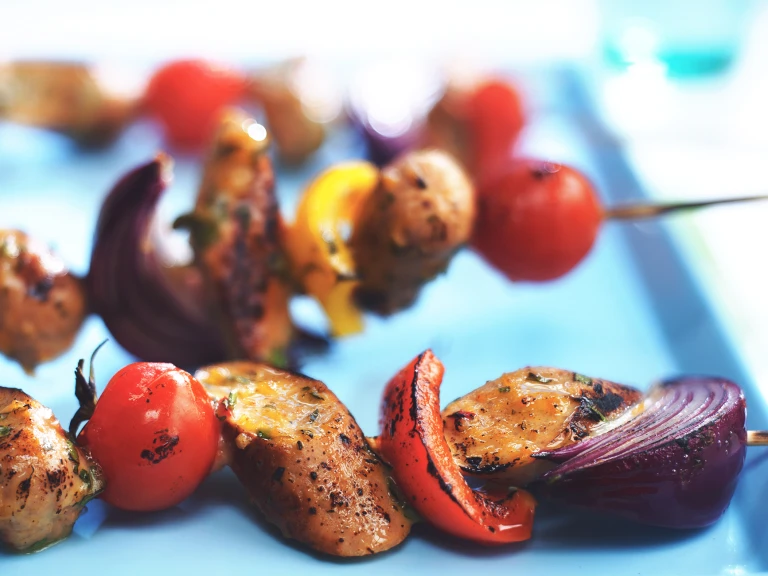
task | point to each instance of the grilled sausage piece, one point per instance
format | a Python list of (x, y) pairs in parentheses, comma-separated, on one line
[(410, 227), (305, 461), (45, 479), (42, 305), (496, 430)]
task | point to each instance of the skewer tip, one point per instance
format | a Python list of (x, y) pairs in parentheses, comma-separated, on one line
[(757, 438)]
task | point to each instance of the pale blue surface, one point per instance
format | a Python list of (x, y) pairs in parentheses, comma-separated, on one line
[(630, 313)]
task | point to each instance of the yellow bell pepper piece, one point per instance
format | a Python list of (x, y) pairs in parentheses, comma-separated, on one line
[(317, 245)]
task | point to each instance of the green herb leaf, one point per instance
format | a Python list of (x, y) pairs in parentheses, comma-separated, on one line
[(589, 405), (265, 434), (4, 431), (583, 379), (533, 377), (202, 231), (72, 452), (232, 399), (278, 358), (85, 476), (504, 389)]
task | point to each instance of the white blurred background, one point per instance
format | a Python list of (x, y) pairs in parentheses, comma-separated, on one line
[(689, 134)]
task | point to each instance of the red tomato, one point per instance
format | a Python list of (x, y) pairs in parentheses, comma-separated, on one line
[(187, 96), (537, 221), (155, 435), (495, 118)]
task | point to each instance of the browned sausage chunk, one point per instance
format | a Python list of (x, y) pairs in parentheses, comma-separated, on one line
[(420, 214), (494, 431), (42, 305), (305, 461), (45, 480)]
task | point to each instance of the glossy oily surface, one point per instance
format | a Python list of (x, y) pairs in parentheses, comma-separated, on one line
[(631, 313)]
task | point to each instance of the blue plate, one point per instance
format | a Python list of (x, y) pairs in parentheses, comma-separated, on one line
[(632, 313)]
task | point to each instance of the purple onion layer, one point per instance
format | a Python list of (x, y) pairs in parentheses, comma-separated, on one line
[(131, 290), (675, 464)]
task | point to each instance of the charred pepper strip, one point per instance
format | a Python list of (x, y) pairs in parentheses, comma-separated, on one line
[(236, 230), (412, 442)]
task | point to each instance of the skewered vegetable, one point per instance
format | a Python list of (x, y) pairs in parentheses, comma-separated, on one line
[(478, 122), (45, 479), (675, 464), (153, 431), (498, 429), (154, 312), (537, 220), (304, 460), (236, 235), (321, 260), (187, 96), (412, 442), (42, 305), (409, 228)]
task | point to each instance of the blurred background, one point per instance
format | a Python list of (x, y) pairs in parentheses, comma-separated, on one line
[(681, 85)]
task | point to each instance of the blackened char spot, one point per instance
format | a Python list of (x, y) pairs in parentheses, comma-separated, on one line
[(22, 491), (459, 416), (475, 468), (608, 403), (166, 447), (345, 439), (40, 290), (56, 477), (277, 475)]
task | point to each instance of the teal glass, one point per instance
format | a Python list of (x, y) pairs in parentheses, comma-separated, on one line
[(687, 38)]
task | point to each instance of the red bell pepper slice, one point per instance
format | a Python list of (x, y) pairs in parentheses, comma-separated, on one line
[(413, 443)]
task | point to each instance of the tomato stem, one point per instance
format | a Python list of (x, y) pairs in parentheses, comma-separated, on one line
[(641, 211), (85, 391), (757, 438)]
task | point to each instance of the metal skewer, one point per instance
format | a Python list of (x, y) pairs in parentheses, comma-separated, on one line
[(757, 438), (641, 211)]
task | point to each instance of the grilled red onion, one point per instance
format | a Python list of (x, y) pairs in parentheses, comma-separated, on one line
[(151, 311), (675, 464)]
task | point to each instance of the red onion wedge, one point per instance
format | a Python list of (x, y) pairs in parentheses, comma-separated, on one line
[(150, 310), (674, 464)]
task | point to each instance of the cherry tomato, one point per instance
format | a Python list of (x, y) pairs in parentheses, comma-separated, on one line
[(495, 119), (537, 221), (186, 97), (155, 435)]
